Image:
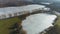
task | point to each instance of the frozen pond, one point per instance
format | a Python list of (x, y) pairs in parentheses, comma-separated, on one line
[(36, 23)]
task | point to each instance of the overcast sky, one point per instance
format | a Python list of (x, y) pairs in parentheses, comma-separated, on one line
[(5, 1)]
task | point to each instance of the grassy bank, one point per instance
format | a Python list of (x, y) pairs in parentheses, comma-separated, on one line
[(6, 23)]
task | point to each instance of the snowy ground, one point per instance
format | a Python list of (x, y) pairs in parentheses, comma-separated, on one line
[(6, 11), (20, 9)]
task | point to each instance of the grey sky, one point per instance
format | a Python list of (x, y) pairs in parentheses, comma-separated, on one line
[(6, 1)]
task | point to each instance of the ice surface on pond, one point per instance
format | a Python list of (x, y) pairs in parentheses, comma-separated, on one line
[(36, 23), (46, 3)]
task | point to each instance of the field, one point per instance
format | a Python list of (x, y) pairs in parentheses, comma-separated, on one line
[(6, 23)]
